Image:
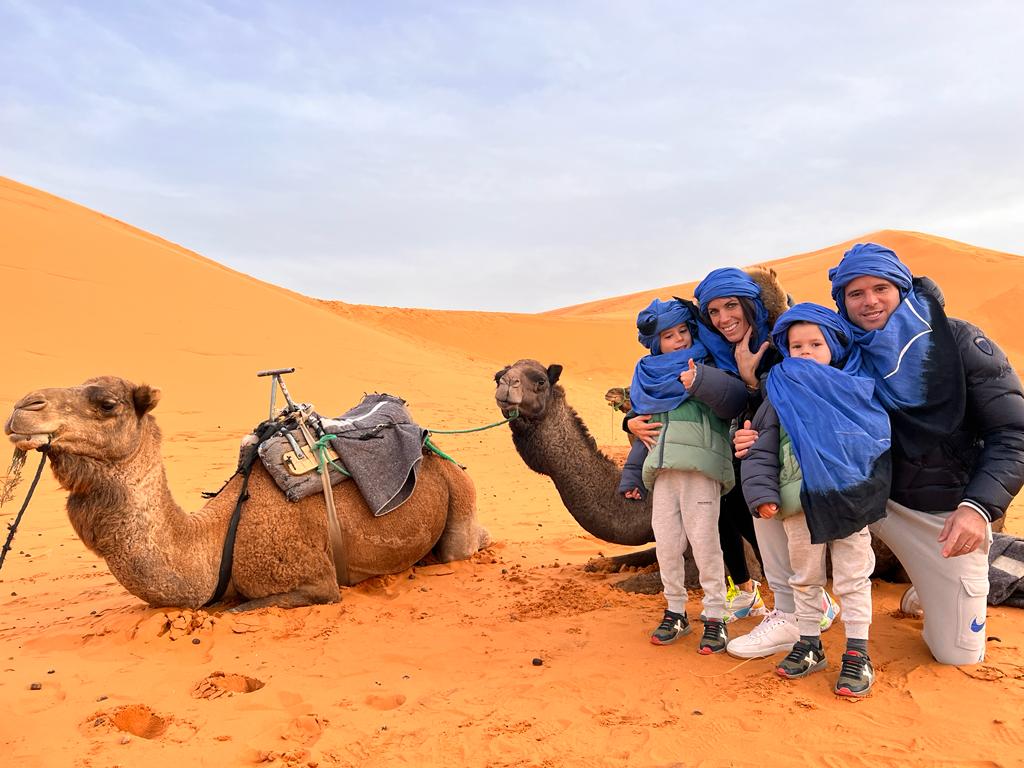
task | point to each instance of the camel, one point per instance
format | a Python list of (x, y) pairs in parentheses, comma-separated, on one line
[(552, 440), (104, 447)]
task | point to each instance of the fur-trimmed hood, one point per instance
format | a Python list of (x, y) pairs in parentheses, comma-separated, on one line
[(773, 295)]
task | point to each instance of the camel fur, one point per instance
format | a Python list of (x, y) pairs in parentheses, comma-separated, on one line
[(104, 448)]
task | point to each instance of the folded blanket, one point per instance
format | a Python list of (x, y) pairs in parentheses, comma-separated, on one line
[(1006, 571), (381, 447)]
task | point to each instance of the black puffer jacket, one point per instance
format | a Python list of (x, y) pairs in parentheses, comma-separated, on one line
[(983, 460)]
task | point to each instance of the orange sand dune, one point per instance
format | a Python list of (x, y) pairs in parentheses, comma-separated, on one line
[(431, 667)]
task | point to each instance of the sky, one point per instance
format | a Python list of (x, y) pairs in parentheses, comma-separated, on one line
[(517, 156)]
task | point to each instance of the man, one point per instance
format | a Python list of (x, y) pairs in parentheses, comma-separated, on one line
[(957, 413)]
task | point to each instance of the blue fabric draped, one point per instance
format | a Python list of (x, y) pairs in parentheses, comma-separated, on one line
[(839, 431), (656, 387), (913, 359), (729, 281)]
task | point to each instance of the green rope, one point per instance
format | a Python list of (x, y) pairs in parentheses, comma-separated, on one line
[(515, 415), (322, 460), (321, 445)]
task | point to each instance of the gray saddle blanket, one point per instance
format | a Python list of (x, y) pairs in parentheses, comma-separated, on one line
[(381, 447), (378, 445), (1006, 571)]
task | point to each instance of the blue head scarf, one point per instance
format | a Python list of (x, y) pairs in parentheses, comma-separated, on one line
[(729, 281), (913, 358), (656, 387), (839, 432)]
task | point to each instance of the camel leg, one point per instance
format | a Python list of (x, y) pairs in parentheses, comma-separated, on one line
[(297, 598), (619, 563), (462, 535)]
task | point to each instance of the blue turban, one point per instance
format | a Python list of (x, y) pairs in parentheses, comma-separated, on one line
[(657, 317), (868, 259), (839, 431), (838, 333), (727, 281)]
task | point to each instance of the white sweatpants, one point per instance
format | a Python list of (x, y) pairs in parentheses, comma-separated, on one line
[(685, 510), (853, 560), (953, 591)]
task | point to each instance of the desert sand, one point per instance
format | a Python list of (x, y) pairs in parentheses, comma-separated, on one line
[(433, 666)]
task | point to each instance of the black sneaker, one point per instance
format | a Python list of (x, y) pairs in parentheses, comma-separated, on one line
[(856, 676), (672, 625), (802, 660), (715, 637)]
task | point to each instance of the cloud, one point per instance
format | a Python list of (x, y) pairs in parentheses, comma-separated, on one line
[(587, 149)]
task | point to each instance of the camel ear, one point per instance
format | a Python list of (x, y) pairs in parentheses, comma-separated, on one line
[(145, 399), (554, 371), (502, 372)]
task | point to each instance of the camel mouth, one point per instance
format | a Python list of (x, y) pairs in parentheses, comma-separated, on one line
[(30, 442)]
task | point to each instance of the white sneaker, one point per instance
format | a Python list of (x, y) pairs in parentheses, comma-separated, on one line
[(776, 633), (829, 610), (910, 603)]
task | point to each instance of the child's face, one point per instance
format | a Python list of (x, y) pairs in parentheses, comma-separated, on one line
[(675, 338), (806, 340)]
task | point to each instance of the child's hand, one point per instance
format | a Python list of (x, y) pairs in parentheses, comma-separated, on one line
[(633, 494), (767, 511), (689, 375)]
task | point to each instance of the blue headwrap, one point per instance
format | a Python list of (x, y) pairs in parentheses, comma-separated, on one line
[(656, 387), (868, 259), (913, 358), (729, 281), (840, 433)]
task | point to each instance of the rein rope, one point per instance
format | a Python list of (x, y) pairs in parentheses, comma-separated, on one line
[(14, 526)]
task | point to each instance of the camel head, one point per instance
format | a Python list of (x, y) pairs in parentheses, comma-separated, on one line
[(526, 386), (103, 418)]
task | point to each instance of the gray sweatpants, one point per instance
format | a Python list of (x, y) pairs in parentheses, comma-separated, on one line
[(853, 560), (685, 510), (773, 544), (953, 591)]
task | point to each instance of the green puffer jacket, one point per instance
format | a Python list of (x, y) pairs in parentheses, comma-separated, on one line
[(790, 478), (694, 439)]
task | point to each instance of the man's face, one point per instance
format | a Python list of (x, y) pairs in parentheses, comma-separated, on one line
[(870, 300)]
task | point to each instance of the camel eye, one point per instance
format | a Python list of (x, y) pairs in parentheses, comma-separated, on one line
[(108, 406)]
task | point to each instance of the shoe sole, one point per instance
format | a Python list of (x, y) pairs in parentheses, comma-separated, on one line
[(761, 653), (852, 694), (680, 633), (816, 668), (707, 650)]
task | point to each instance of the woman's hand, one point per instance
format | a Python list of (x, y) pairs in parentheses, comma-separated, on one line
[(744, 439), (689, 375), (747, 361), (646, 432)]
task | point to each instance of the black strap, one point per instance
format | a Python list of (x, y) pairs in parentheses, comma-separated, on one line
[(14, 526), (263, 431)]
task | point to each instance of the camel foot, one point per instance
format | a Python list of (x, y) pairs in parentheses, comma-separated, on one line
[(620, 563), (295, 599), (642, 584)]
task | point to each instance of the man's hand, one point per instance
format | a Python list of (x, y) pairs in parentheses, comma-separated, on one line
[(646, 432), (767, 511), (689, 375), (747, 361), (965, 530), (744, 439)]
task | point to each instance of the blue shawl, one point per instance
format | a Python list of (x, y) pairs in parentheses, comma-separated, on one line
[(656, 387), (729, 281), (840, 433), (914, 358)]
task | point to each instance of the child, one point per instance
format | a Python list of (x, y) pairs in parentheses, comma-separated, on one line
[(690, 465), (821, 463)]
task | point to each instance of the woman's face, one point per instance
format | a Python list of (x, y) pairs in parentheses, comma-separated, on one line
[(726, 315)]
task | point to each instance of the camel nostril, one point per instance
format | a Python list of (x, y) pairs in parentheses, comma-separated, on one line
[(35, 404)]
